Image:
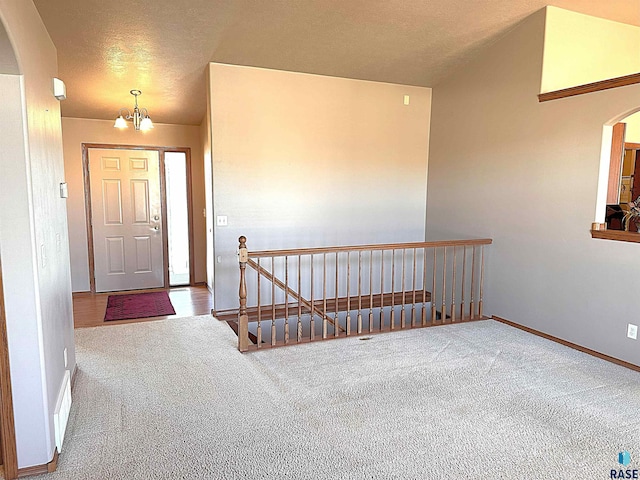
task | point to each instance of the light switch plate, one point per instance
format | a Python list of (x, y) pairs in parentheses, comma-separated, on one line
[(221, 221), (632, 331)]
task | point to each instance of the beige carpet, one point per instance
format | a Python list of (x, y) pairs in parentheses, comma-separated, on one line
[(174, 399)]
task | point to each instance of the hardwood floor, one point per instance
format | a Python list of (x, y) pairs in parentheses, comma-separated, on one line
[(89, 308)]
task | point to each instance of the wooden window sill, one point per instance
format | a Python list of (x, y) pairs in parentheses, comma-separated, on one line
[(618, 235)]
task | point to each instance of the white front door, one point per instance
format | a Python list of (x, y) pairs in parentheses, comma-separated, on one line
[(126, 211)]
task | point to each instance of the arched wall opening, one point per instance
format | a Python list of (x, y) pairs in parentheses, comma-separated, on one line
[(609, 179)]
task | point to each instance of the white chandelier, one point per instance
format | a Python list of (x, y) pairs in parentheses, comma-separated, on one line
[(140, 116)]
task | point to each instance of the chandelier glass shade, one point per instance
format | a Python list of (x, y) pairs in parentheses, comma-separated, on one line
[(139, 116)]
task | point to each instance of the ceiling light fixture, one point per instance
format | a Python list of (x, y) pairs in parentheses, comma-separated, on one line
[(140, 116)]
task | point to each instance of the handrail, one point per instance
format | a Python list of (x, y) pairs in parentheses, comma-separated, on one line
[(373, 247)]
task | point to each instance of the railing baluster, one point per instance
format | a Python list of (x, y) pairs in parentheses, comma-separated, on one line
[(259, 332), (433, 287), (413, 288), (473, 283), (348, 319), (480, 312), (443, 314), (424, 287), (243, 318), (359, 319), (300, 304), (336, 324), (312, 333), (381, 290), (286, 300), (324, 296), (403, 319), (392, 317), (464, 281), (453, 288), (370, 290), (273, 304)]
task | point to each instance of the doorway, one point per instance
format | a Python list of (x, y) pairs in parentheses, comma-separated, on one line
[(139, 220)]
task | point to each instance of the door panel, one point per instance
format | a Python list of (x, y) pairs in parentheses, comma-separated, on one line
[(126, 219)]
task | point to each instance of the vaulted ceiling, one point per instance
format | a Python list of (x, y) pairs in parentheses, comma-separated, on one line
[(108, 47)]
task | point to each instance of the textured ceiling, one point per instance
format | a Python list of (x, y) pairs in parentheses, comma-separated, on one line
[(108, 47)]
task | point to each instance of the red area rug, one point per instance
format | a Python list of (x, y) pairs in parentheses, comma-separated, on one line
[(138, 305)]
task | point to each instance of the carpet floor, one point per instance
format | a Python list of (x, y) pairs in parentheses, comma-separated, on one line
[(174, 399)]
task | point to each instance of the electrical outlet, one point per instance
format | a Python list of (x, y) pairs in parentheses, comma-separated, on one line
[(632, 331), (221, 221)]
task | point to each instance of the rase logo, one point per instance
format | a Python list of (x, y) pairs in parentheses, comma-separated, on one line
[(624, 459)]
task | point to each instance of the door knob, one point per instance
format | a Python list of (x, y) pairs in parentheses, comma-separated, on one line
[(156, 218), (156, 228)]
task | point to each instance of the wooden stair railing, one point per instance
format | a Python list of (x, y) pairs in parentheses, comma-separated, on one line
[(314, 294)]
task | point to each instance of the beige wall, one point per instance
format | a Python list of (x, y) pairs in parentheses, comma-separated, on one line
[(33, 232), (76, 131), (632, 132), (526, 175), (305, 160), (581, 49)]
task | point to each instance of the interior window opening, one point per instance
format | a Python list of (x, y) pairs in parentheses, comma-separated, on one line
[(622, 206)]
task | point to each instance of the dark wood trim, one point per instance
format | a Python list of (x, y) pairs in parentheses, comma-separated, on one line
[(111, 146), (40, 469), (591, 87), (575, 346), (266, 311), (7, 425), (88, 213), (619, 235)]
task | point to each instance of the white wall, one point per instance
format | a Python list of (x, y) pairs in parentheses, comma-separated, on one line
[(33, 234), (75, 132), (526, 175), (574, 55), (306, 160)]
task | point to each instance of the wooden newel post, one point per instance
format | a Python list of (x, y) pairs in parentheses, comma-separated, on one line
[(243, 318)]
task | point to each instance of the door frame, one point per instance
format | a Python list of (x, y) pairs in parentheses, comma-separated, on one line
[(163, 198)]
